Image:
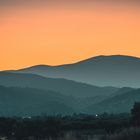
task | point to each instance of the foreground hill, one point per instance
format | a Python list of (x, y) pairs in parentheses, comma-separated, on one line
[(120, 103), (117, 70), (66, 87), (27, 102)]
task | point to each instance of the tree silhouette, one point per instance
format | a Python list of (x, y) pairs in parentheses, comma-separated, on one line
[(135, 112)]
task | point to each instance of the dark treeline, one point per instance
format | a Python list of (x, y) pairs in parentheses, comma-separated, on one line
[(44, 127), (56, 126)]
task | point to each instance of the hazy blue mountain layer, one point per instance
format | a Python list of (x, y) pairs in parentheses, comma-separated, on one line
[(120, 103), (27, 102), (66, 87), (15, 101), (116, 70)]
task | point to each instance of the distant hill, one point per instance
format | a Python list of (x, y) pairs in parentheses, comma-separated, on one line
[(66, 87), (71, 88), (29, 102), (120, 103), (116, 70), (15, 101)]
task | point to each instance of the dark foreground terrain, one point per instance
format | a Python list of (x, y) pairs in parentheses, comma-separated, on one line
[(124, 126), (74, 127)]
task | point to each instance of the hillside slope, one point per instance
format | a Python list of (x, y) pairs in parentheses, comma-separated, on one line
[(120, 103), (66, 87), (116, 70), (29, 102)]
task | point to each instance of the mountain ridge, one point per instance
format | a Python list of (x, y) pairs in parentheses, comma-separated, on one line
[(66, 87), (80, 61), (113, 70), (119, 103)]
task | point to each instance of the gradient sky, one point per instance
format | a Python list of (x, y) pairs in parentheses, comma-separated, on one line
[(60, 32)]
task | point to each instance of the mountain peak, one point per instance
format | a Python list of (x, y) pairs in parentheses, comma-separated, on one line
[(112, 57)]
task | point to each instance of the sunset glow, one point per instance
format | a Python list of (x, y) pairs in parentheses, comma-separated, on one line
[(56, 34)]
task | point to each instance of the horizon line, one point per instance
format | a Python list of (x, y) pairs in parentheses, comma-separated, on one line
[(65, 64)]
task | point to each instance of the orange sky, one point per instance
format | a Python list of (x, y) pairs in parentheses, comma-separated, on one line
[(59, 34)]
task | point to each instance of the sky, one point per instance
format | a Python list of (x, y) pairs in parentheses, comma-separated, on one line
[(56, 32)]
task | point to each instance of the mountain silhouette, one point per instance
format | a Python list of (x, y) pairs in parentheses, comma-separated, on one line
[(30, 94), (68, 89), (16, 101), (65, 87), (115, 70), (120, 103)]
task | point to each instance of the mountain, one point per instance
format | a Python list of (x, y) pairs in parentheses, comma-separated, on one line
[(120, 103), (30, 94), (116, 70), (16, 101), (65, 87), (70, 88)]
